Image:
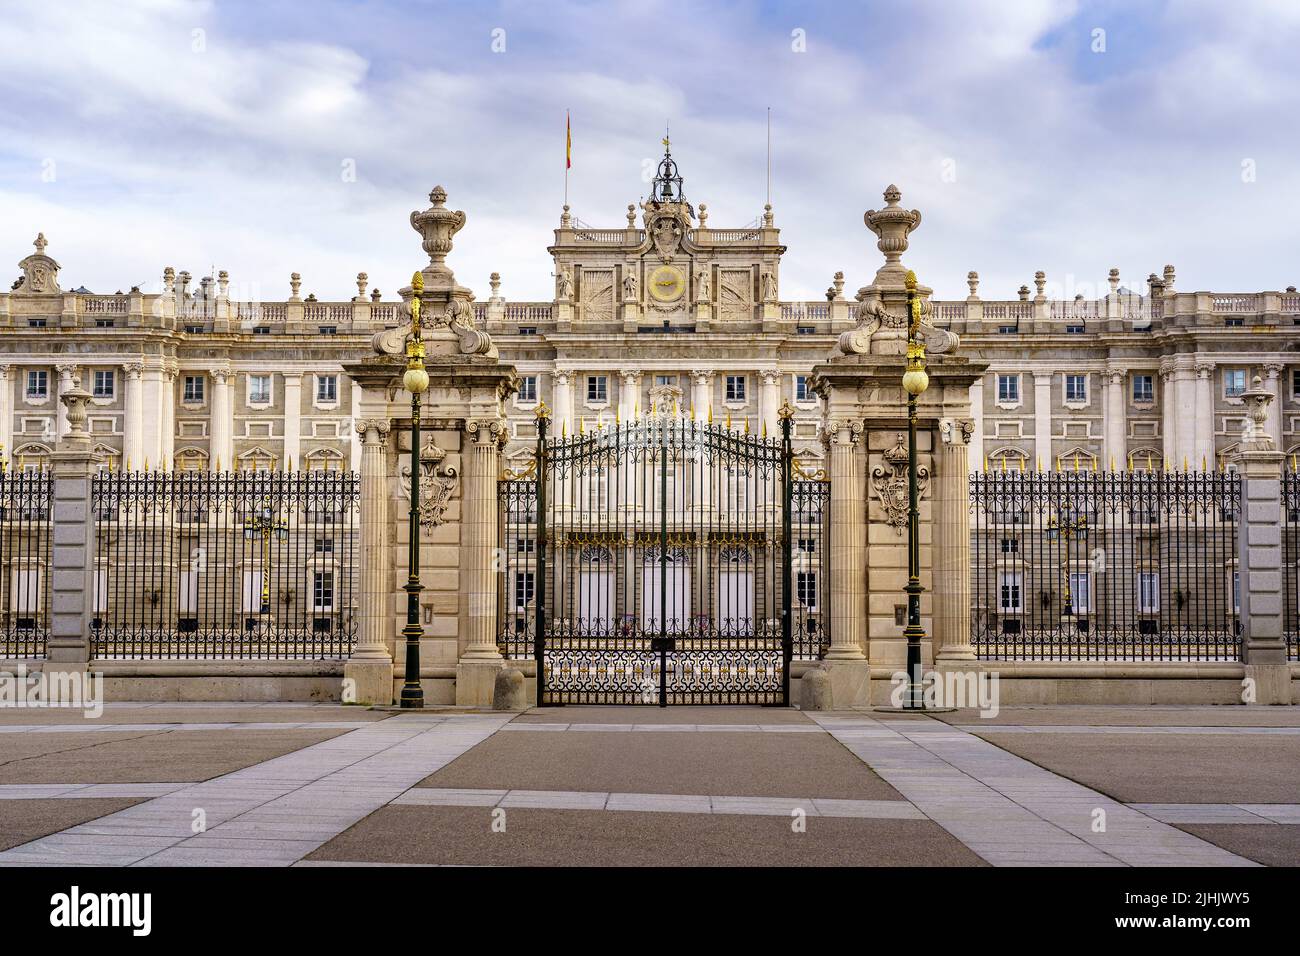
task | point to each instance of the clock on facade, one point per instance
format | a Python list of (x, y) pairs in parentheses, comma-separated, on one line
[(667, 283)]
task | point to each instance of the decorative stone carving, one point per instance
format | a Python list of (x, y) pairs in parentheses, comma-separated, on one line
[(890, 484), (380, 426), (666, 400), (769, 287), (873, 316), (40, 272), (563, 286), (702, 284), (1255, 436), (629, 283), (954, 430), (666, 231), (437, 484), (437, 225), (892, 226)]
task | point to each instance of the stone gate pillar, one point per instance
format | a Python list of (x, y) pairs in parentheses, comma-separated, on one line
[(866, 427), (462, 429), (1259, 555)]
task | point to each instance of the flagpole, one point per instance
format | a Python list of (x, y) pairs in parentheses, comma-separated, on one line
[(769, 155), (568, 155)]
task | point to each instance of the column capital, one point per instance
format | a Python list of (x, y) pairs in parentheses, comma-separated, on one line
[(373, 431), (563, 375), (956, 431), (4, 371), (702, 376), (220, 374), (1042, 379), (1204, 368), (486, 431), (842, 431), (1116, 374), (770, 376), (66, 371), (1272, 370), (631, 374), (133, 370)]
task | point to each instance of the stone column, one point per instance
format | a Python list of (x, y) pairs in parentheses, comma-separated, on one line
[(370, 668), (976, 453), (167, 448), (1185, 449), (562, 401), (223, 449), (6, 413), (769, 400), (1169, 409), (1259, 557), (1043, 421), (701, 393), (151, 433), (1273, 423), (72, 551), (67, 373), (479, 658), (133, 417), (354, 458), (1116, 424), (1203, 447), (848, 540), (629, 393), (293, 419), (952, 604)]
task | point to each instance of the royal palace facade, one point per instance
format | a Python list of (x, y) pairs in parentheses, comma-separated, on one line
[(187, 377)]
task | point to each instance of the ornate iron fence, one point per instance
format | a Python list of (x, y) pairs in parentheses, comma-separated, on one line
[(1291, 562), (24, 562), (1095, 566), (247, 565), (662, 558)]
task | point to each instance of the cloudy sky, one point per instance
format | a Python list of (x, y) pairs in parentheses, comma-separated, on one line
[(270, 137)]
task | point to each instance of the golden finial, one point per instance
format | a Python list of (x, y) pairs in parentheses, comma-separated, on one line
[(288, 464), (1112, 464), (1004, 464), (581, 430), (765, 428), (1022, 466), (786, 410), (1202, 463), (1150, 463), (728, 419), (1076, 462), (746, 424), (909, 281), (146, 464), (1184, 463), (1038, 464), (986, 463), (217, 464), (542, 411), (710, 414), (564, 429)]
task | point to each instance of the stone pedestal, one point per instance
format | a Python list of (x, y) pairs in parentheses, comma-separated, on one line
[(1259, 567)]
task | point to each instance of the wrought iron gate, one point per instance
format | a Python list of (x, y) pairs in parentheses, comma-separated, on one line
[(663, 560)]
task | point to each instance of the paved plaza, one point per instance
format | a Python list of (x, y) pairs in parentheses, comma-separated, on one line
[(326, 785)]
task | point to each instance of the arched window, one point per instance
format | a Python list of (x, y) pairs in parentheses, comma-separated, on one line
[(191, 459), (324, 459), (31, 458)]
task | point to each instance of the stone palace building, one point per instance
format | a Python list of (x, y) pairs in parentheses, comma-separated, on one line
[(186, 377)]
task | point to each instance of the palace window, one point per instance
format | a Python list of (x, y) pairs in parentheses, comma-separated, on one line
[(1080, 592), (665, 379), (801, 393), (197, 330), (1076, 388), (805, 330), (1234, 382), (597, 388), (103, 384), (193, 389), (322, 591), (735, 388), (328, 329), (259, 389), (1010, 545), (527, 389), (807, 546), (1148, 584), (1295, 383), (525, 546), (1007, 330), (327, 388), (1009, 586), (523, 590), (324, 546), (1008, 388), (527, 330), (36, 323), (38, 384), (805, 589), (105, 323), (1144, 388), (1075, 330), (257, 330), (1233, 323)]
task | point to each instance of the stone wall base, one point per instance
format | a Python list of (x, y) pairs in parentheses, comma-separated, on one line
[(1273, 683), (476, 682), (372, 681)]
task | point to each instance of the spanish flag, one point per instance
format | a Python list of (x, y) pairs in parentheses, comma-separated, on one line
[(568, 141)]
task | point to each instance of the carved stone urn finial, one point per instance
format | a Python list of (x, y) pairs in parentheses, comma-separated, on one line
[(76, 400), (892, 226), (437, 225), (1257, 399)]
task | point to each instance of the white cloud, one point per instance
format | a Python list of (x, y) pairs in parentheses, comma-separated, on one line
[(233, 156)]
